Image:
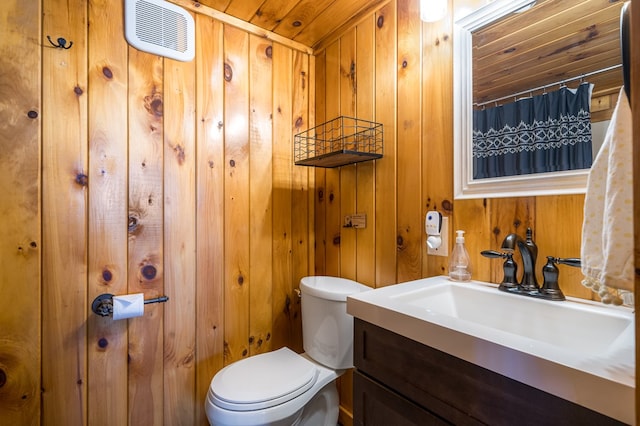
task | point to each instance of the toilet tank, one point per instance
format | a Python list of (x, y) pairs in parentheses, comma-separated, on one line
[(327, 329)]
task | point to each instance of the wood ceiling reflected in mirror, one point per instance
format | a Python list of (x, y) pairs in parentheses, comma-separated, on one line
[(553, 41), (305, 21)]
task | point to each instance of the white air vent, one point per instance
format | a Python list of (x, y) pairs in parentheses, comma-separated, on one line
[(161, 28)]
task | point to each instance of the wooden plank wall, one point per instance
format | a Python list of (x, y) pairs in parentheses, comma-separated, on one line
[(20, 209), (160, 177), (406, 67), (412, 88)]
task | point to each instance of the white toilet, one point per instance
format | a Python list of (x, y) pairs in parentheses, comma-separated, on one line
[(286, 388)]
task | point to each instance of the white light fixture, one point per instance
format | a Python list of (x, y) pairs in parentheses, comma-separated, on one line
[(433, 10)]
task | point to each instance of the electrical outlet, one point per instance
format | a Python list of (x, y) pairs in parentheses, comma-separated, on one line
[(443, 250)]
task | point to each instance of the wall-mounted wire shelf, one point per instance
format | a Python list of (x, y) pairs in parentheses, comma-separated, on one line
[(341, 141)]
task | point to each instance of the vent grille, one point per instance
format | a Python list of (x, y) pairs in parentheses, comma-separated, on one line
[(172, 31), (161, 28)]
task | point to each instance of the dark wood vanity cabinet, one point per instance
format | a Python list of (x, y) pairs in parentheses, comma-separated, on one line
[(399, 381)]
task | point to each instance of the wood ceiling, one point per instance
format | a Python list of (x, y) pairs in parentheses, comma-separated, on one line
[(553, 41), (308, 22)]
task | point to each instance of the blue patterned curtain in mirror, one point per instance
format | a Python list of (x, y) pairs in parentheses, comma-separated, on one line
[(544, 133)]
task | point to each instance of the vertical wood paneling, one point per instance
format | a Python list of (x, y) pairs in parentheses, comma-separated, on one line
[(64, 227), (320, 195), (300, 207), (410, 224), (210, 206), (559, 235), (386, 168), (333, 221), (311, 175), (179, 243), (20, 238), (365, 171), (145, 268), (261, 170), (282, 207), (472, 216), (509, 215), (437, 130), (348, 262), (236, 187), (107, 339)]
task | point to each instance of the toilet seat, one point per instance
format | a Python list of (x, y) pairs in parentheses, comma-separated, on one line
[(263, 381)]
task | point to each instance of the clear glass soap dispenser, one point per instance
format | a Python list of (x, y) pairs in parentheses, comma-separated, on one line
[(460, 262)]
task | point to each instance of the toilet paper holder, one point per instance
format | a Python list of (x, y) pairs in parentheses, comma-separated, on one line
[(103, 304)]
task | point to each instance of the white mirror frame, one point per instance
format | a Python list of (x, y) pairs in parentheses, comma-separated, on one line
[(568, 182)]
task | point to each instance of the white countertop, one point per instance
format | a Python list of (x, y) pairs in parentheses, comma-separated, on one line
[(585, 368)]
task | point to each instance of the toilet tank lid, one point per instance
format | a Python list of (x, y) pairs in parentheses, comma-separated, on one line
[(330, 288)]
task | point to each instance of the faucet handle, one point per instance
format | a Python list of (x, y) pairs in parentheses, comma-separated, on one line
[(570, 261), (509, 268), (550, 288)]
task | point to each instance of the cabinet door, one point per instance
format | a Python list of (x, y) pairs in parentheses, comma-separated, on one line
[(374, 404)]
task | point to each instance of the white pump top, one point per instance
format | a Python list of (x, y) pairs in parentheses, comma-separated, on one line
[(460, 237)]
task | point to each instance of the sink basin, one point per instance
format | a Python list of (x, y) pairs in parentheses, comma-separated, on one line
[(578, 350), (571, 326)]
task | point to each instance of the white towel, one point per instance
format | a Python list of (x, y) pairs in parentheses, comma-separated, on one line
[(607, 230)]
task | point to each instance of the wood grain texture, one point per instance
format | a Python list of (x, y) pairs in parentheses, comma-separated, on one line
[(320, 193), (437, 128), (145, 270), (333, 221), (210, 207), (179, 232), (261, 190), (386, 181), (552, 41), (300, 206), (107, 340), (365, 171), (283, 297), (64, 220), (348, 182), (410, 225), (236, 189), (20, 234)]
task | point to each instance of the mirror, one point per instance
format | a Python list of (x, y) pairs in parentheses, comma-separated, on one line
[(591, 48)]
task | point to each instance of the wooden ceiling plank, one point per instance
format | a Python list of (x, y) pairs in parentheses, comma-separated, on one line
[(508, 85), (239, 23), (589, 26), (272, 12), (220, 5), (548, 15), (303, 13), (339, 14), (542, 74), (243, 9), (570, 49)]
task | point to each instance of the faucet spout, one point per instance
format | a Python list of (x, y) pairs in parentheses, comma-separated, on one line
[(529, 252)]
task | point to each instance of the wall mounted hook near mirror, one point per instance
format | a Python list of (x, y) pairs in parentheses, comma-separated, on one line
[(62, 43)]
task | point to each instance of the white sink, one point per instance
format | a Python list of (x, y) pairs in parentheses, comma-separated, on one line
[(578, 350)]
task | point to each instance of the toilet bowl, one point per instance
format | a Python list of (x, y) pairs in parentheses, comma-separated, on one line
[(286, 388)]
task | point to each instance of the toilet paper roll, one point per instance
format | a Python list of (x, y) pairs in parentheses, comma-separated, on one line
[(128, 306)]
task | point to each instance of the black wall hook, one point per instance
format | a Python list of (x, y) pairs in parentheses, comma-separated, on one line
[(62, 43)]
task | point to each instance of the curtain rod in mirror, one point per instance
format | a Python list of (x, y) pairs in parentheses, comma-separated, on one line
[(557, 83)]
